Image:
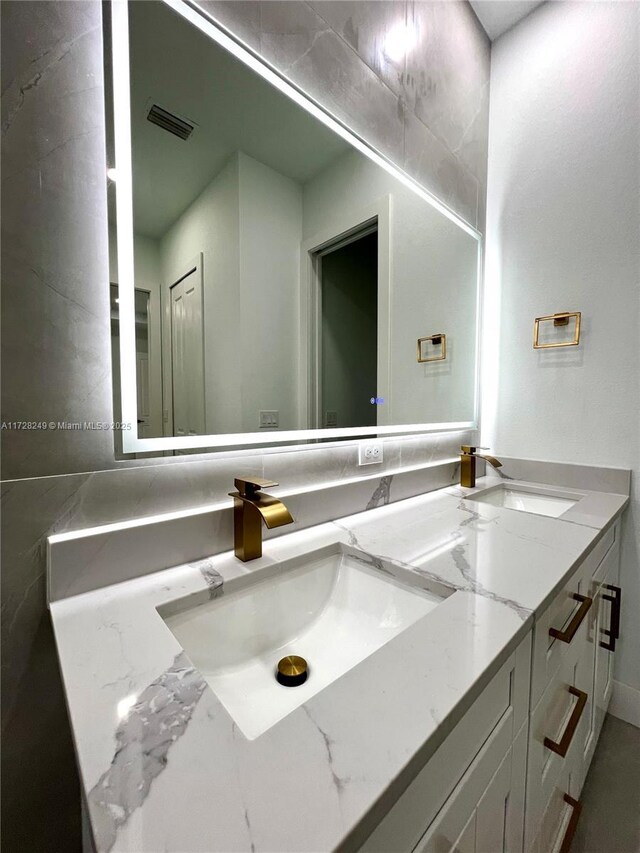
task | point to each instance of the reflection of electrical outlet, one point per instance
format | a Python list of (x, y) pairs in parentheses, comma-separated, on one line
[(369, 452), (269, 420), (331, 419)]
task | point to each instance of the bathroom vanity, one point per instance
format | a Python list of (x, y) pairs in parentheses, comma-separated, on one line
[(458, 677), (458, 643)]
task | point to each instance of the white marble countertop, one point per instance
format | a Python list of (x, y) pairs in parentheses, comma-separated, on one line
[(164, 767)]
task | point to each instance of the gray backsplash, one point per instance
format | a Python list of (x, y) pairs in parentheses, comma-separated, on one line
[(429, 114)]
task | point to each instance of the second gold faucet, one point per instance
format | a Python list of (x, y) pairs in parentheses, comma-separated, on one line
[(468, 456)]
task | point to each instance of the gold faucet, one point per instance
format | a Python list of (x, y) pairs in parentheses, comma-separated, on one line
[(468, 456), (250, 509)]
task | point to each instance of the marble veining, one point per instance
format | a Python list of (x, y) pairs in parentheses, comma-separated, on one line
[(382, 494), (176, 743), (144, 737), (212, 578), (459, 557)]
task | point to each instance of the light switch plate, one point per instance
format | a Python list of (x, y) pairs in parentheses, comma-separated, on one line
[(269, 420), (369, 452)]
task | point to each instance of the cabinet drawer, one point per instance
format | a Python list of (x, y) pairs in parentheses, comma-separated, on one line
[(557, 723), (549, 652), (480, 739), (558, 824)]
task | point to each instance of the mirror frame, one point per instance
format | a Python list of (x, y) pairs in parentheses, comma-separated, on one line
[(131, 442)]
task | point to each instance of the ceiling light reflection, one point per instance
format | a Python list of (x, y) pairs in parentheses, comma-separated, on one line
[(399, 41)]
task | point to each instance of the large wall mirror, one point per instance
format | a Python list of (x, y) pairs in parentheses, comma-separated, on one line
[(273, 278)]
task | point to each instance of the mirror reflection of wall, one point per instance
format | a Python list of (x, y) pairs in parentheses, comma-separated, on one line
[(247, 209)]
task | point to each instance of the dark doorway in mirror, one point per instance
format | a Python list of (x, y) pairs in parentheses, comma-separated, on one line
[(348, 334)]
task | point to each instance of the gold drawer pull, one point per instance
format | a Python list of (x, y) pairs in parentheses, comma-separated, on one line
[(572, 628), (563, 745), (576, 805)]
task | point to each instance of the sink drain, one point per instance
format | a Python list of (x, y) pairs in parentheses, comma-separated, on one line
[(292, 671)]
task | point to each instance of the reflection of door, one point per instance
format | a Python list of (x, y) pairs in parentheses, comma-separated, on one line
[(187, 356), (142, 387), (348, 331), (142, 362)]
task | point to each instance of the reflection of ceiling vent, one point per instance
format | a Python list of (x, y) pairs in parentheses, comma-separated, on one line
[(177, 126)]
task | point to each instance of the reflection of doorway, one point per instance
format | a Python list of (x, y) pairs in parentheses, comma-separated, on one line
[(142, 363), (187, 354), (142, 358), (347, 330)]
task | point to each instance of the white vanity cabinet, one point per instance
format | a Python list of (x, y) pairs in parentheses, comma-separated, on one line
[(533, 729), (469, 797), (572, 673)]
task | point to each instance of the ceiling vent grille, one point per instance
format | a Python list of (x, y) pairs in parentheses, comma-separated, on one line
[(166, 120)]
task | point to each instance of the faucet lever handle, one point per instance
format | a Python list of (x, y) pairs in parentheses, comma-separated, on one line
[(469, 450), (248, 486)]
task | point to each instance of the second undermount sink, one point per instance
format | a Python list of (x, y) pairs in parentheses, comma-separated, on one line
[(539, 501), (327, 606)]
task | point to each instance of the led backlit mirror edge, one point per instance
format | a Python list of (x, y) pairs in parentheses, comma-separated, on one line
[(131, 442)]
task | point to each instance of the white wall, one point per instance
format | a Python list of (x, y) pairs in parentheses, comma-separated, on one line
[(433, 286), (563, 233), (210, 225), (246, 222), (270, 236)]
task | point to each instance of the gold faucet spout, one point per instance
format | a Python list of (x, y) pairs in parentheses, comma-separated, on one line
[(272, 511), (491, 460), (468, 456), (250, 508)]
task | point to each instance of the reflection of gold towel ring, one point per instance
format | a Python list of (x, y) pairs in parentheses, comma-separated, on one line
[(437, 340), (558, 320)]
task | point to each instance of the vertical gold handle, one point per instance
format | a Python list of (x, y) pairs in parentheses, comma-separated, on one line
[(561, 747), (576, 806), (572, 628)]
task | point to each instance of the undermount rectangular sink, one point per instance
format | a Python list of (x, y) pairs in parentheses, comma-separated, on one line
[(539, 501), (327, 606)]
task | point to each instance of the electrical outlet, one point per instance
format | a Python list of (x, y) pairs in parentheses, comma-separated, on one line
[(269, 420), (369, 452), (330, 419)]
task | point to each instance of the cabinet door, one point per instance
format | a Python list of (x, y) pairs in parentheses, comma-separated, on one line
[(469, 825), (458, 773), (584, 679), (605, 643)]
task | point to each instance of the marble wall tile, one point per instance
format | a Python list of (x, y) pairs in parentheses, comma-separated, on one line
[(29, 510), (55, 326), (309, 467), (240, 17), (373, 30), (436, 168), (594, 478), (446, 80), (303, 46), (424, 450), (441, 86)]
